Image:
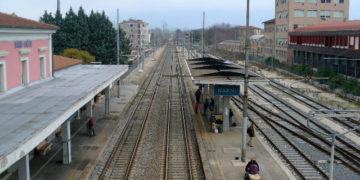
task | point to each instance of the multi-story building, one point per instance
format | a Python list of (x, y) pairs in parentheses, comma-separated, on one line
[(292, 14), (269, 35), (137, 31), (25, 51), (332, 45), (256, 45), (241, 32)]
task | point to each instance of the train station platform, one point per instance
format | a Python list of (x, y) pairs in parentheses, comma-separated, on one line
[(32, 114), (86, 150), (221, 152)]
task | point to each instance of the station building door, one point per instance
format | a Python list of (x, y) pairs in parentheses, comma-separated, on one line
[(2, 77), (24, 71)]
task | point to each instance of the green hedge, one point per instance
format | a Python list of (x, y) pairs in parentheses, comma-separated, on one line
[(335, 81)]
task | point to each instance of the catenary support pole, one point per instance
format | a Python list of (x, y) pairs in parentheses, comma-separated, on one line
[(66, 141), (89, 109), (245, 106), (333, 139), (118, 89), (24, 168), (107, 100), (203, 36), (117, 37)]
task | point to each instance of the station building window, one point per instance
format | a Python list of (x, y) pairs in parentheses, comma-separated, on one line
[(2, 76)]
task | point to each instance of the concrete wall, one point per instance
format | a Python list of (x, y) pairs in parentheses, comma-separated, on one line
[(40, 47)]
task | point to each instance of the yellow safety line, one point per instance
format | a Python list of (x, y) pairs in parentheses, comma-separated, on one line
[(210, 142)]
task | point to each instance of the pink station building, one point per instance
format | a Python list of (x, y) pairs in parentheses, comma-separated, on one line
[(25, 52)]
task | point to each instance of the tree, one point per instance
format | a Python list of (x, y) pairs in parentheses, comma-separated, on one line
[(94, 33), (85, 56), (47, 18), (71, 28), (82, 32)]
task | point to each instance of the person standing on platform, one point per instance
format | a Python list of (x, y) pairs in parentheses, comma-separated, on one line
[(231, 117), (252, 170), (206, 106), (91, 129), (197, 97), (251, 132), (212, 123), (212, 105)]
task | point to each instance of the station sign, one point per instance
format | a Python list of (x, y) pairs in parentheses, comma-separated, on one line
[(226, 90)]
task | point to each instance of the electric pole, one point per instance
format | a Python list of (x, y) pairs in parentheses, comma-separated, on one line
[(58, 5), (117, 37), (203, 38), (246, 82)]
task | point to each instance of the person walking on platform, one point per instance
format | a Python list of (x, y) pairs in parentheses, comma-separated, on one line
[(197, 97), (252, 170), (206, 106), (231, 117), (251, 132), (91, 129), (212, 105)]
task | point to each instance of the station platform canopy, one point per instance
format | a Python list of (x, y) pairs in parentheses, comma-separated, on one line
[(30, 115), (209, 70)]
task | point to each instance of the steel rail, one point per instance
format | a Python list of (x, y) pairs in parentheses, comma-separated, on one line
[(145, 86), (184, 123), (347, 154), (308, 101), (282, 152)]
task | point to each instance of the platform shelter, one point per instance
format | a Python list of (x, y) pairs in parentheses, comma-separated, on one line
[(220, 80), (32, 114)]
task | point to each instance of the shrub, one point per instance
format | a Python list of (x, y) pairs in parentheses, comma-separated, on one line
[(85, 56)]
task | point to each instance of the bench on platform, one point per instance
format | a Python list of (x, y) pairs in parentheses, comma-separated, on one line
[(43, 148)]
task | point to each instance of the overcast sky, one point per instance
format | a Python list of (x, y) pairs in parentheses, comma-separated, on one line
[(183, 14)]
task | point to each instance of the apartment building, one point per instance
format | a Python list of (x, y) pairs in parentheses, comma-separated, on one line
[(241, 32), (269, 35), (137, 31), (293, 14)]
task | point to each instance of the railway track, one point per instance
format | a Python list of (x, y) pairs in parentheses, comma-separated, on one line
[(294, 120), (158, 122), (178, 158), (120, 161), (300, 163), (348, 123)]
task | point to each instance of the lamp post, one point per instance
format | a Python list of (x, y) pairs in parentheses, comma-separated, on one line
[(246, 81), (333, 135)]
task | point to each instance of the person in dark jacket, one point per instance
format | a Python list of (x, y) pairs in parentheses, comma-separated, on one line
[(251, 132), (212, 105), (197, 97), (206, 106), (91, 129), (252, 168)]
